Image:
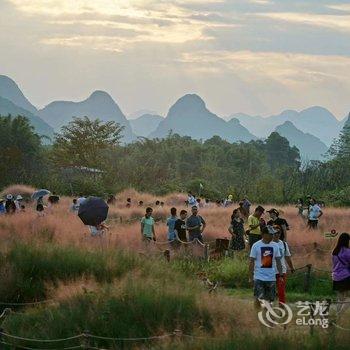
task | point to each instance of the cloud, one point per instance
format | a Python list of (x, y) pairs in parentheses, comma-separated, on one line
[(158, 49), (334, 22), (340, 7), (290, 70), (149, 20)]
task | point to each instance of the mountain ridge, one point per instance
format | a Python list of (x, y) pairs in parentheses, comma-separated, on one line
[(310, 146), (315, 120), (7, 107), (189, 116), (11, 91), (99, 104), (145, 124)]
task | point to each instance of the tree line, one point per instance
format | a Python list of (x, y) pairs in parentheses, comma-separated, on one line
[(87, 156)]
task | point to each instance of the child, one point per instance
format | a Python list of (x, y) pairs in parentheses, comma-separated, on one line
[(147, 226), (74, 208), (40, 209), (285, 257), (98, 230)]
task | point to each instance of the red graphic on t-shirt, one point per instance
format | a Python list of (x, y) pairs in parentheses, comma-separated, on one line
[(266, 257)]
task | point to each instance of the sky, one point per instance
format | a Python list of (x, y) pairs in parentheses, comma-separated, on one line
[(253, 56)]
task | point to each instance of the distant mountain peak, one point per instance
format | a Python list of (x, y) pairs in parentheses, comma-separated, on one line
[(141, 112), (189, 116), (316, 109), (100, 96), (10, 90), (289, 124), (234, 121), (192, 100), (145, 124), (310, 146)]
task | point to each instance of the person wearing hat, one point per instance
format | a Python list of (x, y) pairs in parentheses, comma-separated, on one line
[(10, 205), (18, 202), (275, 219), (254, 223), (265, 260), (2, 206)]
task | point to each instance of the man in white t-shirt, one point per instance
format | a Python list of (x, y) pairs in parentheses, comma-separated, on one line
[(265, 259), (315, 213)]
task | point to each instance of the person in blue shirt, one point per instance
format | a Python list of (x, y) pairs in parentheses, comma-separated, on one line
[(2, 206), (171, 225)]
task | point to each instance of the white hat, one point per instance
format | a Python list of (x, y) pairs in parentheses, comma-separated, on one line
[(19, 197), (9, 196), (271, 230)]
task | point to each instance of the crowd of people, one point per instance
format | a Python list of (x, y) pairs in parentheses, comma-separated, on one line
[(265, 237), (11, 204), (267, 241)]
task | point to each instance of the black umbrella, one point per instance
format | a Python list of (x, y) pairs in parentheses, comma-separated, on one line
[(93, 211)]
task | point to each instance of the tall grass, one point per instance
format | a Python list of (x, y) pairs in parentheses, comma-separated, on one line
[(26, 270), (119, 287), (137, 308)]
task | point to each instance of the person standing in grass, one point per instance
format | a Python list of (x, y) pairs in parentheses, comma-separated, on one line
[(98, 230), (74, 208), (2, 206), (195, 225), (81, 199), (265, 258), (10, 205), (275, 219), (341, 271), (191, 199), (236, 230), (147, 226), (315, 213), (254, 221), (180, 227), (285, 257), (171, 225), (246, 206), (18, 202)]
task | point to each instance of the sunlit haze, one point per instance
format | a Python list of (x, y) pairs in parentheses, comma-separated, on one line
[(251, 56)]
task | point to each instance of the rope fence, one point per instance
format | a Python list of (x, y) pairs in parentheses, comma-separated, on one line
[(86, 340)]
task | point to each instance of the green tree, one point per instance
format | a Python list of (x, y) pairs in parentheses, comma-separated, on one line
[(21, 159), (279, 153), (341, 147), (84, 142)]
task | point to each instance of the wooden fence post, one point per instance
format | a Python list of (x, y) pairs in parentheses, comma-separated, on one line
[(1, 339), (207, 252), (307, 279), (85, 344)]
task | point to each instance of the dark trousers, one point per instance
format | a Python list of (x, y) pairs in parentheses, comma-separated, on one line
[(312, 224), (253, 238)]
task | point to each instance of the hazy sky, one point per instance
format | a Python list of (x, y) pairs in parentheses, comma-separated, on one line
[(252, 56)]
